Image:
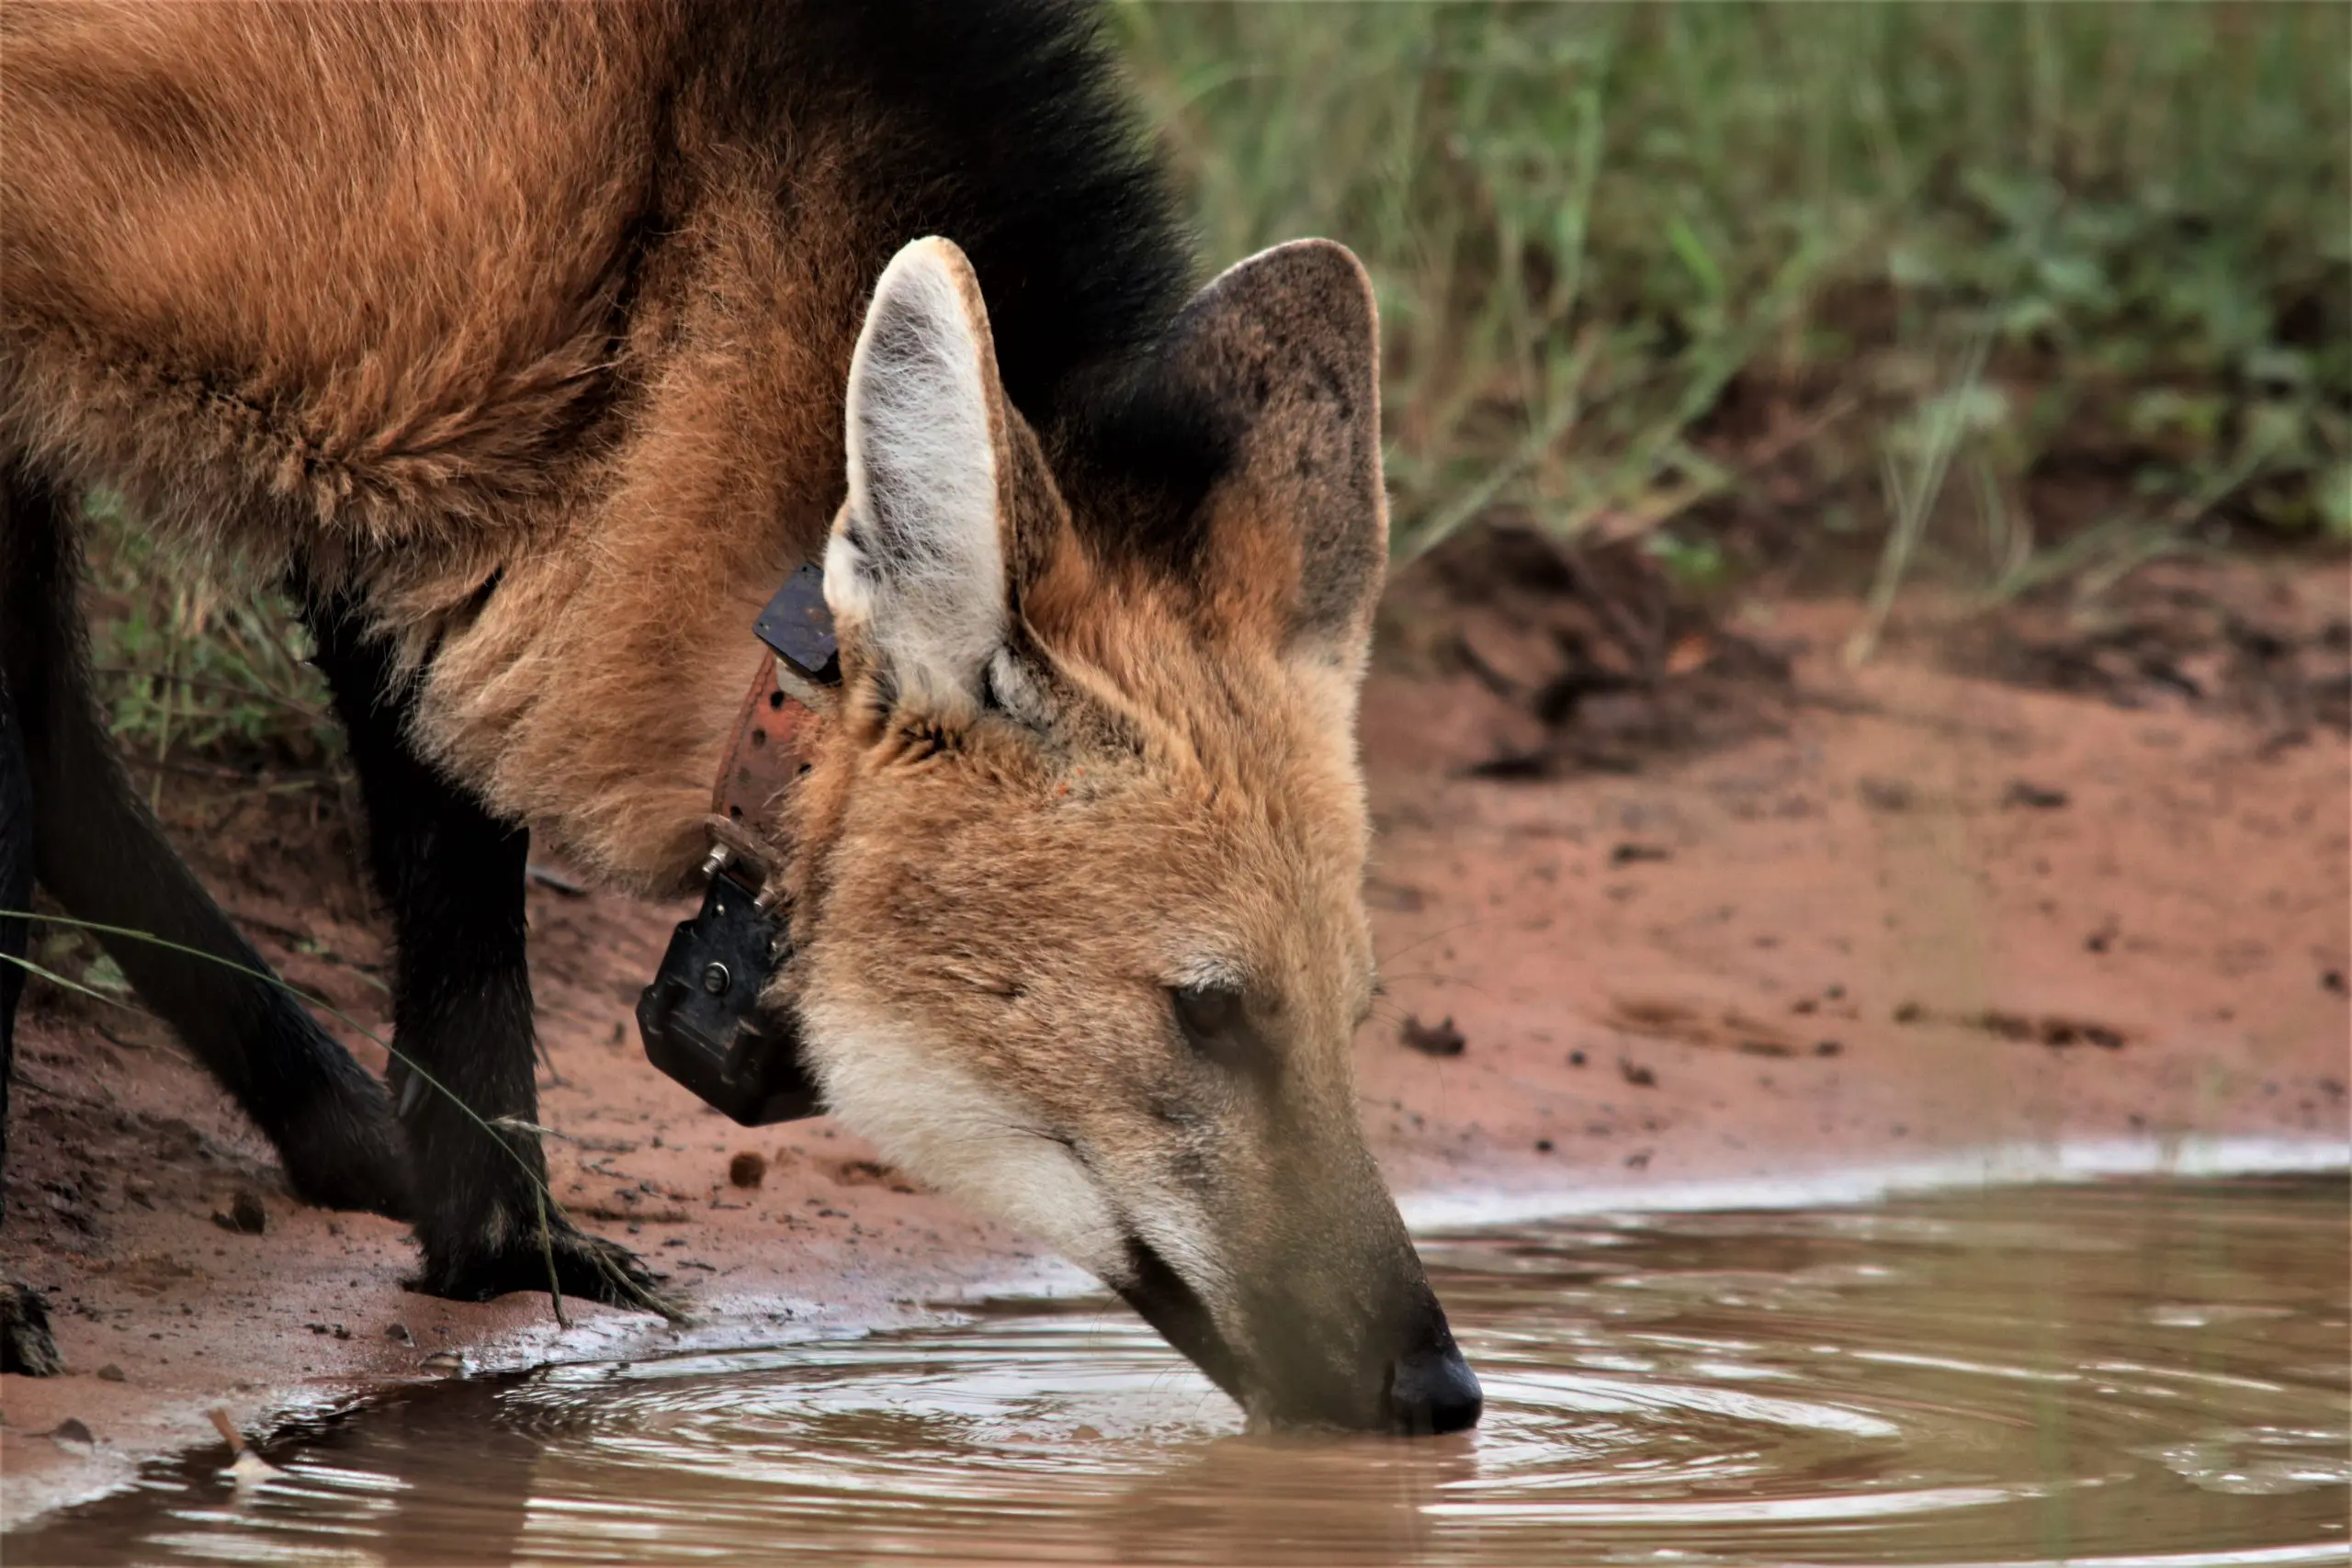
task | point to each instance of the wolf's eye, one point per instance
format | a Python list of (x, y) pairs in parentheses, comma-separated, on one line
[(1213, 1020)]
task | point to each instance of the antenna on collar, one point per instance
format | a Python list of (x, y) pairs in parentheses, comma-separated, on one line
[(798, 624)]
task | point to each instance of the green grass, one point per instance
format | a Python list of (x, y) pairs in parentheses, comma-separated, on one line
[(2017, 292), (186, 659), (1604, 238)]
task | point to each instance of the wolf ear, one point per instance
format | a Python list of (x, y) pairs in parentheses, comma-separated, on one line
[(1281, 353), (915, 570)]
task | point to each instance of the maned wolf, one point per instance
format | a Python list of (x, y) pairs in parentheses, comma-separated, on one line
[(532, 347)]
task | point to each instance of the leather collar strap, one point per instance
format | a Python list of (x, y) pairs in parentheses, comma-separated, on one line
[(775, 732)]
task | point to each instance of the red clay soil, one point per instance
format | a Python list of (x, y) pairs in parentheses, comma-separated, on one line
[(1920, 916)]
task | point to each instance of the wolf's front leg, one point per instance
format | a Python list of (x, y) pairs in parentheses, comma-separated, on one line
[(104, 856), (461, 1004), (25, 1344)]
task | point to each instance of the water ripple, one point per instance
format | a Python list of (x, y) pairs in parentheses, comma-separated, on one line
[(2126, 1375)]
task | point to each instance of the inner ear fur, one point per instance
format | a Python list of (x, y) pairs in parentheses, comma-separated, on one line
[(917, 569), (1280, 358)]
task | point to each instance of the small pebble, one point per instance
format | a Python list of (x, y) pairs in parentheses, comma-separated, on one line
[(110, 1372), (1439, 1038), (245, 1216), (1636, 1074), (748, 1168), (1543, 1145), (1886, 794), (2032, 796)]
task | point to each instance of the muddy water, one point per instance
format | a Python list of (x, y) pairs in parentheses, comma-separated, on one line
[(2142, 1373)]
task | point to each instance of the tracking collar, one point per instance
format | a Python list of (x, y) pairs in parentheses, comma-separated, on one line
[(698, 1016)]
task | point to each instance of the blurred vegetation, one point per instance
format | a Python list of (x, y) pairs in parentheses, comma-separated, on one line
[(2073, 271), (186, 659), (2035, 291)]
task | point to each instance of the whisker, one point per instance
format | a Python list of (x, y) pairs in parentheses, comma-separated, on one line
[(1448, 978), (1383, 958)]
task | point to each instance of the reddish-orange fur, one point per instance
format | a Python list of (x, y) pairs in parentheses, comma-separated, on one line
[(379, 378), (377, 295)]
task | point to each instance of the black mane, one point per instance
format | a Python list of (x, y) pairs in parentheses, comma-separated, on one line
[(1003, 126), (1000, 124)]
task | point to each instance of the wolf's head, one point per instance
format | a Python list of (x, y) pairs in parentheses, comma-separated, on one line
[(1083, 934)]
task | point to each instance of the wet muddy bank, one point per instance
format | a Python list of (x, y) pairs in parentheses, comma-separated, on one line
[(1920, 916)]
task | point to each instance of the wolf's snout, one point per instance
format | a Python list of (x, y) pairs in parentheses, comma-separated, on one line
[(1432, 1391)]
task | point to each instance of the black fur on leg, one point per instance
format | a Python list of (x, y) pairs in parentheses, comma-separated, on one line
[(25, 1344), (105, 858), (461, 1006)]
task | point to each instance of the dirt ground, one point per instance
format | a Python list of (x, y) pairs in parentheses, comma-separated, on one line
[(1910, 920)]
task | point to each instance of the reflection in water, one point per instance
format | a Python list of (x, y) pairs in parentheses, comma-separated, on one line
[(2135, 1372)]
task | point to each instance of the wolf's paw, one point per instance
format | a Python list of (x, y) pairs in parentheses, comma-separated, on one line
[(25, 1344), (584, 1267)]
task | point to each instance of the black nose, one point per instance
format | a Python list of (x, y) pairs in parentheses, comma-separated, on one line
[(1434, 1390)]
